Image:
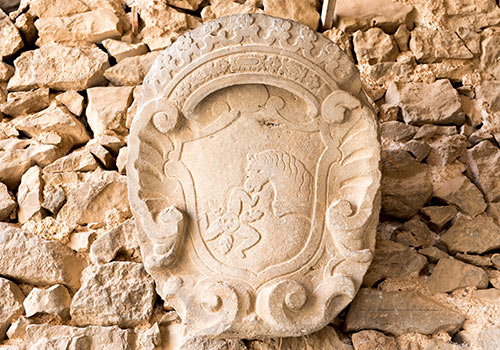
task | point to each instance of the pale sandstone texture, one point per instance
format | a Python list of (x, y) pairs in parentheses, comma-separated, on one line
[(131, 70), (10, 39), (301, 11), (54, 300), (24, 102), (374, 46), (11, 304), (450, 274), (7, 202)]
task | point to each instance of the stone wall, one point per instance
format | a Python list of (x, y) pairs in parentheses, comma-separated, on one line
[(70, 75)]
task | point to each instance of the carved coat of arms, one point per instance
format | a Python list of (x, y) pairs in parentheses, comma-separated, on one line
[(253, 177)]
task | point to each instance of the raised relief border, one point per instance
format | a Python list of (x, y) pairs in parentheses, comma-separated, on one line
[(253, 176)]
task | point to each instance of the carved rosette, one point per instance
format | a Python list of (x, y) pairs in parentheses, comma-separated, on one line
[(215, 263)]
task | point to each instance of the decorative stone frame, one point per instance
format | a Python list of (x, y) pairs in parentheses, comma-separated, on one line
[(304, 293)]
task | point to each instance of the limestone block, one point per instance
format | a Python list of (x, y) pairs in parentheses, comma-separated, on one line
[(10, 39), (72, 100), (54, 300), (484, 163), (304, 11), (56, 8), (439, 216), (450, 274), (185, 4), (121, 49), (373, 340), (11, 304), (108, 244), (59, 67), (131, 70), (222, 8), (6, 71), (79, 160), (29, 195), (117, 293), (7, 203), (374, 46), (24, 102), (490, 48), (121, 160)]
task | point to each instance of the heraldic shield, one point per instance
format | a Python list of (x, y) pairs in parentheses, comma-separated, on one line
[(254, 178)]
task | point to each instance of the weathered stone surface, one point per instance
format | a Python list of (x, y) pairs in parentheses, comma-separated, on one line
[(54, 300), (433, 253), (89, 201), (37, 261), (429, 45), (6, 71), (303, 11), (59, 67), (24, 102), (88, 338), (132, 70), (10, 39), (490, 48), (439, 216), (11, 304), (450, 274), (101, 153), (108, 244), (121, 49), (475, 235), (373, 340), (374, 46), (400, 312), (107, 109), (185, 4), (92, 26), (9, 5), (79, 160), (406, 184), (484, 165), (446, 149), (222, 8), (416, 233), (121, 160), (7, 203), (477, 260), (72, 100), (56, 8), (117, 293), (18, 328), (386, 14), (436, 103), (215, 344), (398, 131), (402, 37), (393, 260), (29, 195), (57, 120)]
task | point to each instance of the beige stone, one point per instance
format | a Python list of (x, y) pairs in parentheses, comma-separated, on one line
[(185, 4), (303, 11), (101, 154), (400, 312), (72, 100), (477, 260), (11, 304), (355, 15), (436, 103), (59, 67), (121, 49), (373, 340), (342, 39), (450, 274), (117, 293), (79, 160), (215, 344), (54, 300), (92, 26), (402, 37), (439, 216), (18, 328), (490, 51), (131, 70), (6, 71), (29, 195), (222, 8), (484, 162), (107, 107), (260, 208), (37, 261), (7, 203), (108, 244), (398, 131), (433, 254), (56, 8), (374, 46), (89, 338), (25, 23), (121, 160), (10, 39), (446, 149), (24, 102)]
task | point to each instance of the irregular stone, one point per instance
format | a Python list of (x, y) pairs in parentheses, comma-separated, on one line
[(101, 154), (433, 253), (450, 274), (359, 15), (24, 102), (439, 216), (484, 162), (108, 244), (92, 26), (185, 4), (150, 339), (46, 336), (9, 5), (10, 39), (18, 328), (454, 188), (429, 45), (132, 70), (222, 8), (374, 46), (402, 36), (25, 23), (472, 235), (54, 300), (406, 184), (342, 39), (53, 198), (304, 12), (419, 231), (11, 304), (107, 109), (79, 160), (121, 49), (373, 340), (37, 261), (421, 103), (56, 8), (132, 109), (121, 160), (117, 293), (398, 131), (400, 312), (393, 260), (477, 260), (417, 149), (7, 203), (490, 48), (494, 277), (29, 195), (6, 71), (54, 66), (72, 100), (89, 201), (55, 119), (446, 149), (212, 344)]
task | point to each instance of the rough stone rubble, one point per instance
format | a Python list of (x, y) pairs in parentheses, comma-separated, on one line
[(71, 275)]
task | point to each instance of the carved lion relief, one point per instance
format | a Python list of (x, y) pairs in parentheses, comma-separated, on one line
[(253, 176)]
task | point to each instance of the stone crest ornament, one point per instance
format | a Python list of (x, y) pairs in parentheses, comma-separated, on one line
[(253, 177)]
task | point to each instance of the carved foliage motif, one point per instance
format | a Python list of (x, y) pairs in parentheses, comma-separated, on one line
[(246, 234)]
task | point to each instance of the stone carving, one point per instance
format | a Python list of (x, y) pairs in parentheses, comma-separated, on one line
[(253, 177)]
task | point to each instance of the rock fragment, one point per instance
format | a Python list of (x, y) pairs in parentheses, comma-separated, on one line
[(446, 149), (304, 11), (490, 48), (108, 244), (450, 274), (421, 103), (11, 304), (10, 39), (439, 216), (37, 261), (227, 7), (400, 312), (29, 195), (121, 160), (121, 49), (7, 203), (131, 70), (53, 66), (117, 293), (6, 71), (79, 160), (54, 300), (484, 165), (374, 46), (397, 131), (72, 100), (373, 340), (56, 8), (24, 102)]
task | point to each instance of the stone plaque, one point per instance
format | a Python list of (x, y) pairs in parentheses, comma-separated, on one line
[(253, 176)]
